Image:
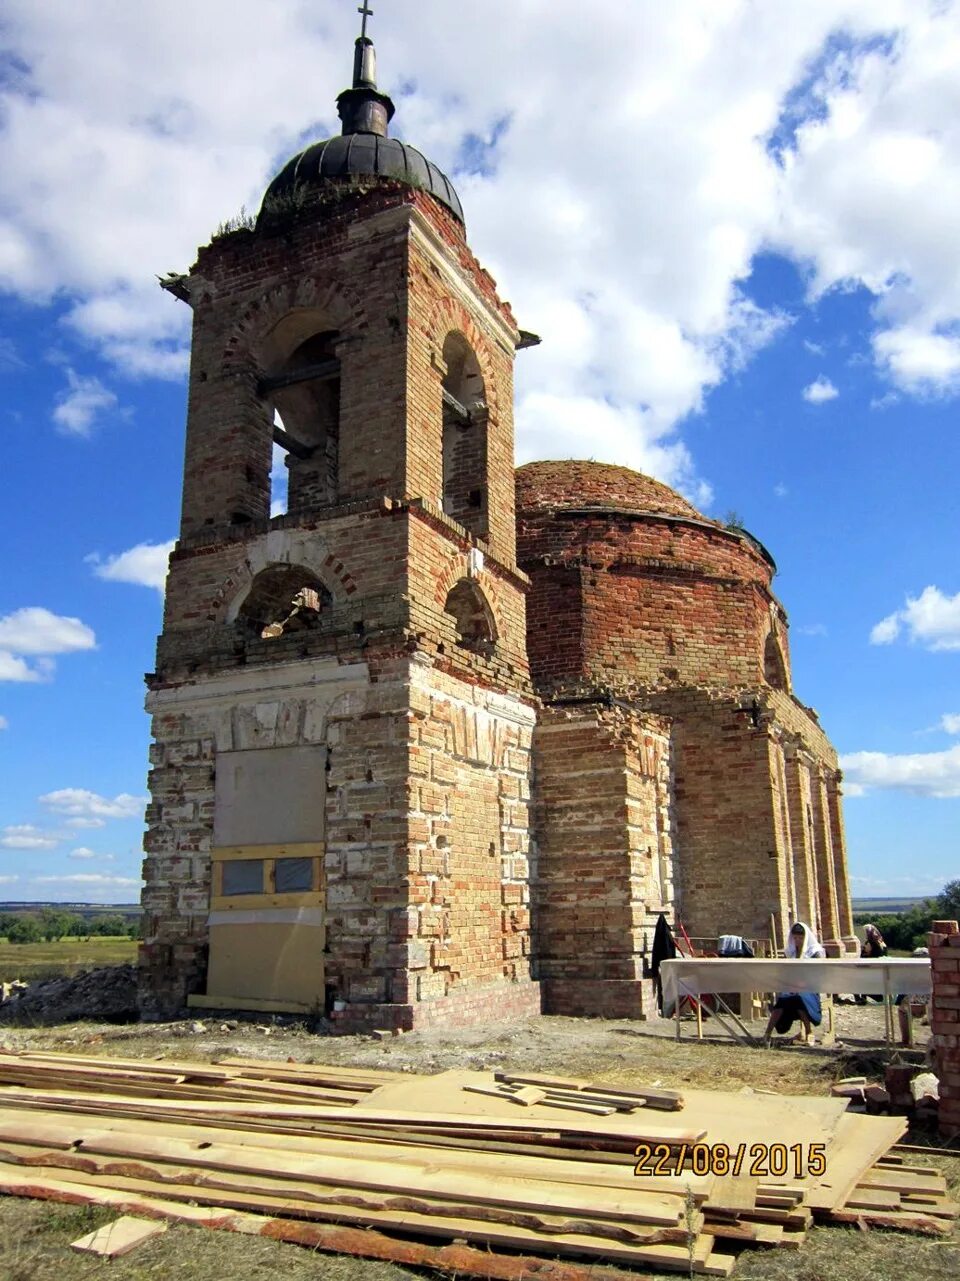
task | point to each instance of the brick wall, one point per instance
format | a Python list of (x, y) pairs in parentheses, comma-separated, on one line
[(944, 944), (603, 855)]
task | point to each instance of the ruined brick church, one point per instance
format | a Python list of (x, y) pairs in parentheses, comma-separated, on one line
[(441, 741)]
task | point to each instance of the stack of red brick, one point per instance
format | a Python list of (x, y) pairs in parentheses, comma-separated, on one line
[(945, 1020)]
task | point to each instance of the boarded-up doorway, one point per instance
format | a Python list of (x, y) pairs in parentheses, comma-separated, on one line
[(267, 919)]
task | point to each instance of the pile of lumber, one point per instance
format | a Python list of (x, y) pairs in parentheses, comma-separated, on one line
[(388, 1165)]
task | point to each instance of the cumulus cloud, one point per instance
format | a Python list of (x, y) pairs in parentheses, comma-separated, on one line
[(931, 619), (950, 721), (820, 390), (24, 836), (4, 723), (144, 565), (38, 633), (78, 803), (84, 854), (81, 403), (919, 773), (628, 249)]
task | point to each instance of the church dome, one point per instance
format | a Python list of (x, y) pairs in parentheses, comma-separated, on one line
[(363, 148), (356, 155), (579, 485)]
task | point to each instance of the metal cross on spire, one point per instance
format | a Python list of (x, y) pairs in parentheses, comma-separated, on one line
[(367, 12)]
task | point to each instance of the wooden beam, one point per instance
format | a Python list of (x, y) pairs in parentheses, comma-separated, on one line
[(287, 442), (459, 411), (325, 371)]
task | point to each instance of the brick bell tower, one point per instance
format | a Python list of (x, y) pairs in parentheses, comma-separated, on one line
[(341, 705)]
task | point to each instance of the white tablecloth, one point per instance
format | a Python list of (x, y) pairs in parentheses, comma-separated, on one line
[(694, 976)]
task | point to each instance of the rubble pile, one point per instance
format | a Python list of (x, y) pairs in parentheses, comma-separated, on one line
[(108, 994)]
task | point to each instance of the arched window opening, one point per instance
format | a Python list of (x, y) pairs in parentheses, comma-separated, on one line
[(305, 393), (774, 668), (472, 617), (464, 437), (283, 599)]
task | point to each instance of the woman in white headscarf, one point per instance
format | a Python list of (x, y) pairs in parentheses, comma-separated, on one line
[(791, 1006)]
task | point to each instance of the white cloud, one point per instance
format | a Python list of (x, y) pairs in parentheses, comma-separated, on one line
[(84, 854), (8, 880), (24, 836), (91, 879), (931, 619), (632, 271), (919, 773), (81, 403), (814, 348), (13, 668), (820, 390), (84, 822), (919, 362), (780, 490), (78, 803), (950, 721), (4, 723), (38, 633), (144, 565), (813, 629), (34, 630)]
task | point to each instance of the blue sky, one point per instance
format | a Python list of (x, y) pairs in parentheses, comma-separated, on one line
[(749, 286)]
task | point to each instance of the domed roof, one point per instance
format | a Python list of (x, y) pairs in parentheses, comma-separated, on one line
[(579, 485), (364, 155), (363, 149)]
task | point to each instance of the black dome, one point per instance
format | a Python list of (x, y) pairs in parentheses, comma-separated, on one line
[(355, 155)]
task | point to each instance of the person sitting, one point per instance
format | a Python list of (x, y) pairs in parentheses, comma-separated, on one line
[(789, 1007), (873, 949)]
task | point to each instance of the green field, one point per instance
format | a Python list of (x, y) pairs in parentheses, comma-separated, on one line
[(31, 961)]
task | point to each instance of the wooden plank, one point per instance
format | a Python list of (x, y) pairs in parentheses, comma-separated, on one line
[(905, 1220), (922, 1181), (455, 1260), (333, 1202), (631, 1130), (858, 1142), (283, 1158), (119, 1237), (429, 1179), (733, 1192), (542, 1079), (862, 1198), (673, 1257)]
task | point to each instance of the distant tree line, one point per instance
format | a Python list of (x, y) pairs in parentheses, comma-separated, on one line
[(904, 931), (48, 926)]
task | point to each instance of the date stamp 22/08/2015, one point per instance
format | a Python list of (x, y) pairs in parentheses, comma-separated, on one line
[(760, 1160)]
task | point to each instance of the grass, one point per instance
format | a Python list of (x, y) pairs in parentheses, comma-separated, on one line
[(31, 961)]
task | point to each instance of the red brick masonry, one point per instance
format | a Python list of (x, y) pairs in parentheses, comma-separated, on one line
[(945, 1020)]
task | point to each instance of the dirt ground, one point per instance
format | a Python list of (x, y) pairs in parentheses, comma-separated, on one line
[(34, 1237)]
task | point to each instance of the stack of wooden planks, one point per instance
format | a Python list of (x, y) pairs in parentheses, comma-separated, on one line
[(311, 1153)]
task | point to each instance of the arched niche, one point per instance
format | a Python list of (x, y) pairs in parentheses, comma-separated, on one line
[(300, 383), (774, 666), (472, 617), (464, 437), (282, 599)]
